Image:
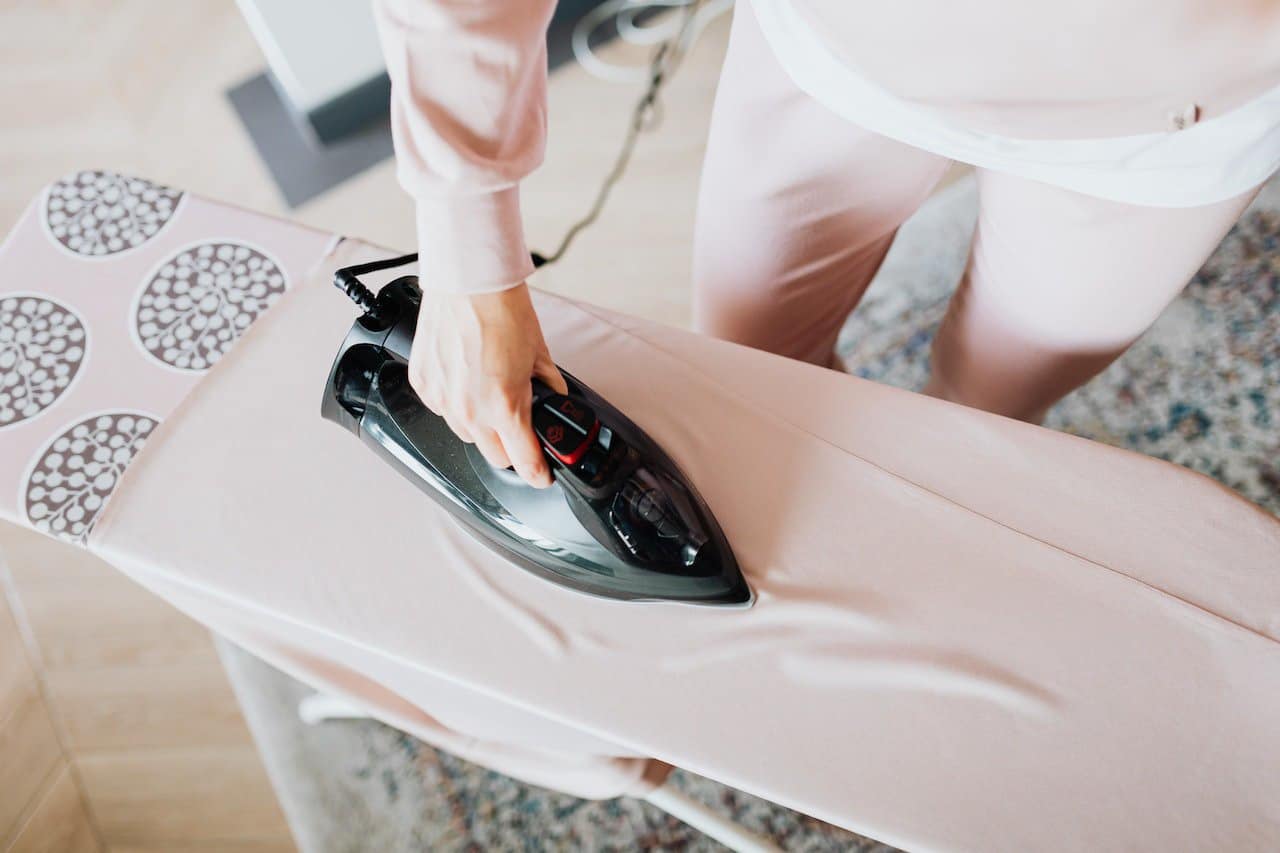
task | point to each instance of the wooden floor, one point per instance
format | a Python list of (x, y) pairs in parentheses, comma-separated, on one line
[(118, 730), (123, 733)]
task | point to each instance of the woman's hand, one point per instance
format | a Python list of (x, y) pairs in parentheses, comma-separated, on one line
[(472, 363)]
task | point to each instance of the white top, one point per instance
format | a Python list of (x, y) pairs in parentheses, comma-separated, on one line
[(1203, 163)]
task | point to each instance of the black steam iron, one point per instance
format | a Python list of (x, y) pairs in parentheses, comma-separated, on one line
[(620, 521)]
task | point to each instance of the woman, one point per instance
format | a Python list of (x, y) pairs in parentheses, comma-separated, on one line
[(1115, 142)]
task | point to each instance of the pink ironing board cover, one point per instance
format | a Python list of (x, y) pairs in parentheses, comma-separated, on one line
[(971, 633)]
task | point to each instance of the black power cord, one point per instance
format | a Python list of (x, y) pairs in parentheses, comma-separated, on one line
[(646, 114), (348, 281)]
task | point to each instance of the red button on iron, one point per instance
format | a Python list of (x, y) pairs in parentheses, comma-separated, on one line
[(566, 426)]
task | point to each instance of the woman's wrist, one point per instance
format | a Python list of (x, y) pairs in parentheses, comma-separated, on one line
[(473, 243)]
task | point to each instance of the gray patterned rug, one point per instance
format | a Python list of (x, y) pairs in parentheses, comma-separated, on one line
[(356, 786), (1201, 389)]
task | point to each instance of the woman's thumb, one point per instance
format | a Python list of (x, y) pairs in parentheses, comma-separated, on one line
[(545, 369)]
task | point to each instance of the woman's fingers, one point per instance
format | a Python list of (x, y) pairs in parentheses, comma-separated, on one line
[(490, 446), (472, 362), (525, 453), (460, 429), (516, 432)]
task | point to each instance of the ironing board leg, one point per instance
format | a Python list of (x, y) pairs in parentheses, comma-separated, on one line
[(704, 820), (318, 707)]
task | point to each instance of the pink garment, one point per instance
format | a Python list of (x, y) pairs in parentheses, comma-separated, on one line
[(971, 633), (792, 227), (469, 91)]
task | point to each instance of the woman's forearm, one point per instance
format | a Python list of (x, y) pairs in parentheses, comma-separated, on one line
[(468, 115)]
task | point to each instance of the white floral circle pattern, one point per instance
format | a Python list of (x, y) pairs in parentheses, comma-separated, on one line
[(76, 473), (42, 345), (199, 301), (101, 213)]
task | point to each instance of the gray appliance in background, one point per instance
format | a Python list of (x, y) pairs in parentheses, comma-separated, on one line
[(319, 114)]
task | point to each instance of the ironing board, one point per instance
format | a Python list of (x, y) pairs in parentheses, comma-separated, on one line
[(970, 633)]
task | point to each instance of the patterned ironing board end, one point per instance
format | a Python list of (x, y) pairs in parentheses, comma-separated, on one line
[(117, 295)]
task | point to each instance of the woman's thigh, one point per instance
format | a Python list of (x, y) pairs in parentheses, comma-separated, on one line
[(796, 209), (1058, 285)]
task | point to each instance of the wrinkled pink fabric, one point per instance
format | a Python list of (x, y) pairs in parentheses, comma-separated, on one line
[(469, 89), (971, 633)]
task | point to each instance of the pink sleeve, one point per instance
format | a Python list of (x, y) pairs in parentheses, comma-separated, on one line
[(468, 115)]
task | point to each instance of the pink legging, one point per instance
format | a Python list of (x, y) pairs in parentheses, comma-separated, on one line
[(798, 207)]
